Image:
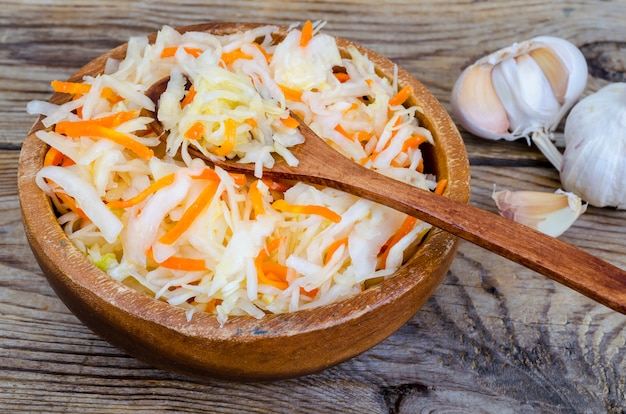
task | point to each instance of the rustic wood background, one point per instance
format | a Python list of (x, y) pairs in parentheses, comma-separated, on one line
[(494, 337)]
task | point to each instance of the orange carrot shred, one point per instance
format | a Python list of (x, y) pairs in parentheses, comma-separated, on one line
[(275, 269), (171, 51), (284, 206), (210, 174), (352, 107), (78, 89), (206, 174), (402, 95), (290, 122), (268, 56), (239, 179), (307, 34), (194, 51), (71, 204), (441, 186), (420, 166), (196, 131), (275, 185), (333, 248), (270, 247), (257, 199), (109, 121), (343, 132), (397, 163), (110, 95), (191, 93), (230, 134), (274, 244), (93, 129), (229, 57), (367, 159), (264, 279), (53, 157), (363, 136), (276, 273), (189, 216), (342, 77), (406, 226), (211, 305), (152, 188), (67, 161), (291, 94), (180, 263), (413, 142), (70, 87), (65, 198), (184, 263), (309, 293)]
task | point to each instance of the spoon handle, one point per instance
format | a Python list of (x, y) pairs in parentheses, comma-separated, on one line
[(566, 264), (547, 255)]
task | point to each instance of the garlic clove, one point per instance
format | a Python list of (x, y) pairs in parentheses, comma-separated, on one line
[(550, 213), (594, 160), (574, 61), (525, 93), (553, 69), (483, 113)]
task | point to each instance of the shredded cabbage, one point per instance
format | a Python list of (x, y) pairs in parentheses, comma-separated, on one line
[(206, 240)]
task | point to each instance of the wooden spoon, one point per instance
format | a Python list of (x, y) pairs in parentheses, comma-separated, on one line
[(320, 164)]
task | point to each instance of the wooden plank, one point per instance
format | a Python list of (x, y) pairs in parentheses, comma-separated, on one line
[(494, 337)]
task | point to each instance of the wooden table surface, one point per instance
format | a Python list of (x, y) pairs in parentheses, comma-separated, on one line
[(494, 337)]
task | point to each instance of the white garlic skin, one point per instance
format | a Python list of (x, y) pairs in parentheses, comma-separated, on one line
[(550, 213), (510, 94), (594, 160)]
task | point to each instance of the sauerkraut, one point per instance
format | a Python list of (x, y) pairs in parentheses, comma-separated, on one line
[(158, 219)]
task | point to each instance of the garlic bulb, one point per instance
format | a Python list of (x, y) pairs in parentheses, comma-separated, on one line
[(523, 90), (550, 213), (594, 160)]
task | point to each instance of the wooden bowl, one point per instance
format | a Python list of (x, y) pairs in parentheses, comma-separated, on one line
[(244, 349)]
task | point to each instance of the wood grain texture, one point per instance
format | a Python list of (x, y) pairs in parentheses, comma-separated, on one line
[(495, 337)]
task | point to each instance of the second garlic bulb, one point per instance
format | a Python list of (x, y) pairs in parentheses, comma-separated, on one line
[(594, 161), (523, 90)]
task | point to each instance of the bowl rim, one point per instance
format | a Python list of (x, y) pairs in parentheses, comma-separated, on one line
[(66, 267)]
